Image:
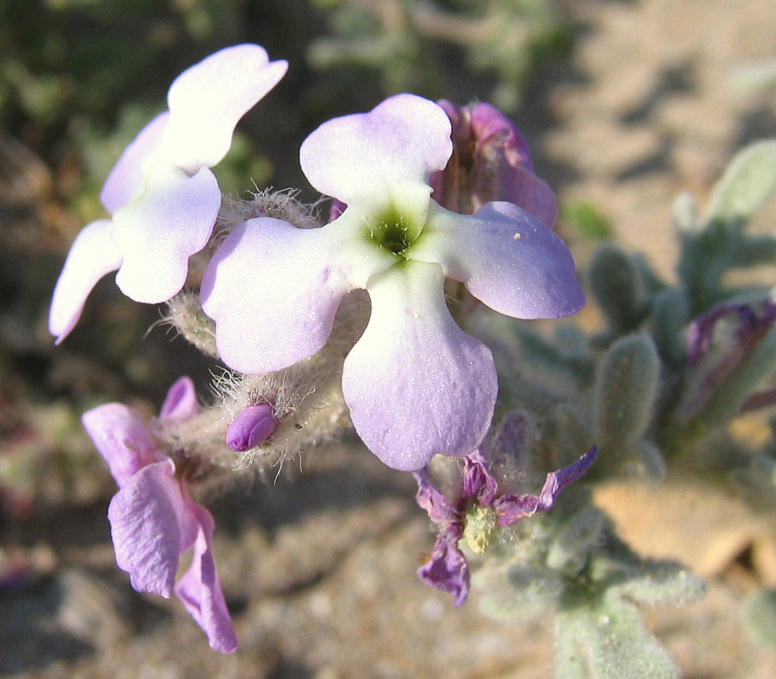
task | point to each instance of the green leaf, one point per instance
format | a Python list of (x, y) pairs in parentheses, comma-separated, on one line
[(603, 637), (746, 185)]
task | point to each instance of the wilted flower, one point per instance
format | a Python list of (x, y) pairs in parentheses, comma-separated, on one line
[(477, 498), (415, 383), (162, 197), (153, 518)]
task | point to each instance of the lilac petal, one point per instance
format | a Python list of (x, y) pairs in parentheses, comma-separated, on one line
[(180, 402), (478, 483), (158, 233), (92, 255), (506, 258), (127, 177), (415, 383), (252, 426), (207, 100), (373, 156), (121, 438), (273, 291), (510, 508), (430, 498), (200, 590), (146, 528), (447, 570)]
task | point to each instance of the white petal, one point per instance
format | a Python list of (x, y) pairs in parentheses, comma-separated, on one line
[(273, 291), (92, 255), (207, 100), (415, 383), (375, 158), (158, 232), (127, 177), (505, 257)]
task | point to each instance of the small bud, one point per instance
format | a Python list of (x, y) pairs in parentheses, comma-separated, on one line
[(251, 427), (490, 161)]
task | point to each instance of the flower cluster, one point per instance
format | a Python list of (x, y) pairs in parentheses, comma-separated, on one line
[(354, 310)]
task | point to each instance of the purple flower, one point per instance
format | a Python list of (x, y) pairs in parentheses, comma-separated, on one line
[(153, 518), (415, 383), (162, 197), (490, 161), (447, 568)]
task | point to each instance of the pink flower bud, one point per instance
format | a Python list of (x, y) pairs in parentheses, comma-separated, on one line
[(252, 426), (490, 161)]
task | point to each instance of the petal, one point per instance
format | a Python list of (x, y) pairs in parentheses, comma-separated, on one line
[(181, 401), (478, 482), (121, 438), (447, 570), (207, 100), (158, 232), (373, 157), (273, 291), (200, 590), (92, 255), (144, 517), (415, 383), (127, 177), (511, 508), (433, 500), (506, 258)]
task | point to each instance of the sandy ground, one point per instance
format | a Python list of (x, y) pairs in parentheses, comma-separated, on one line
[(319, 573)]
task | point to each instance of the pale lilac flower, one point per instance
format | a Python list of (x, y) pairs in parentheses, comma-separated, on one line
[(490, 161), (415, 383), (153, 518), (162, 197), (447, 568)]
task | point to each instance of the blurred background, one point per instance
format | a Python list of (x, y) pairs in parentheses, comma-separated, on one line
[(625, 103)]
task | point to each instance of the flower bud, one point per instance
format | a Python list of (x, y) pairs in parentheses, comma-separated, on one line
[(252, 426), (490, 161)]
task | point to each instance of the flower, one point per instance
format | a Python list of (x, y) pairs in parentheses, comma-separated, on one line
[(477, 500), (490, 161), (153, 518), (162, 197), (415, 383)]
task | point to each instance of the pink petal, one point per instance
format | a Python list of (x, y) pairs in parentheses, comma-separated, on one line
[(372, 157), (415, 383), (122, 439), (207, 100), (507, 259), (181, 401), (200, 590), (159, 232), (92, 255), (127, 177), (273, 291), (145, 527)]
